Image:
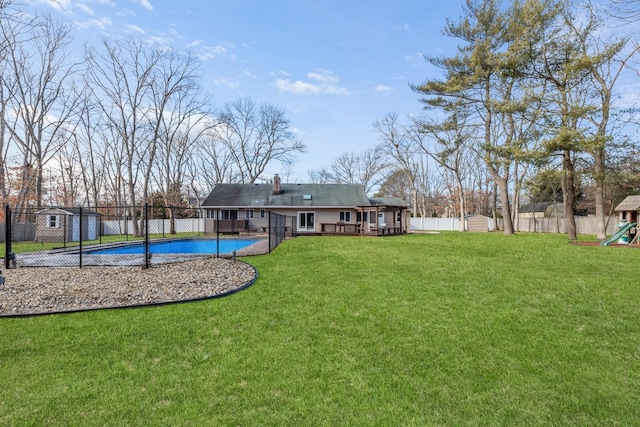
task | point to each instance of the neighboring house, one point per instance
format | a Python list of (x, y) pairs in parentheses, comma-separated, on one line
[(63, 225), (310, 208), (541, 210)]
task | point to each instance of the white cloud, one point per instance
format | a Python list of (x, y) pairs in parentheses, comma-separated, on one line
[(59, 5), (297, 87), (195, 43), (226, 81), (134, 29), (321, 82), (91, 24), (86, 9), (402, 27), (126, 13), (249, 74), (146, 4), (279, 73), (324, 76), (160, 41), (383, 88), (206, 53)]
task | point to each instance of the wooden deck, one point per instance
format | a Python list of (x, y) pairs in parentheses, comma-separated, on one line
[(358, 230)]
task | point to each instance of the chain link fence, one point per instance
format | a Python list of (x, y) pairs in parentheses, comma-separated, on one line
[(122, 235)]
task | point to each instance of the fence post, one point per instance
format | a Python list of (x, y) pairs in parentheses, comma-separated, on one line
[(217, 233), (80, 239), (64, 230), (147, 255), (7, 237), (269, 228)]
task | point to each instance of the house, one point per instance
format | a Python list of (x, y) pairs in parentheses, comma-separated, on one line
[(310, 208), (63, 225), (541, 210)]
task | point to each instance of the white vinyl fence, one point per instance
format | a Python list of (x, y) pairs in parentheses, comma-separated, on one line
[(156, 226), (584, 224)]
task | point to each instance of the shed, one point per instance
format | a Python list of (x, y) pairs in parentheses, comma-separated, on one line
[(541, 210), (64, 224), (478, 223)]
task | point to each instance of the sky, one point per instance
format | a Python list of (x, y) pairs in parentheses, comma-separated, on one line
[(335, 66)]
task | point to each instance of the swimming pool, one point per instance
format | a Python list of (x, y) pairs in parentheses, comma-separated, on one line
[(184, 246)]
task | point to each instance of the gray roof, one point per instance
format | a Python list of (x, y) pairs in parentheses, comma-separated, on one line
[(388, 201), (535, 207), (630, 203), (294, 195)]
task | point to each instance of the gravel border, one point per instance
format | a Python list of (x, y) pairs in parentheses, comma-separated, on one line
[(45, 290)]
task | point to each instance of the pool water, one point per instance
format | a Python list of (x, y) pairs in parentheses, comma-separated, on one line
[(179, 247)]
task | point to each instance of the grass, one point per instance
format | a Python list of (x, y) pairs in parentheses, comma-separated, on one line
[(453, 329)]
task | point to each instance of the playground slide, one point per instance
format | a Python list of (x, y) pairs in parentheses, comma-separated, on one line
[(618, 234)]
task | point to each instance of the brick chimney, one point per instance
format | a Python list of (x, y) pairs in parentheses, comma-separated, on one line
[(276, 184)]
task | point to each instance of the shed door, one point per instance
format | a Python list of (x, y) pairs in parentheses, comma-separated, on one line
[(75, 228), (92, 228)]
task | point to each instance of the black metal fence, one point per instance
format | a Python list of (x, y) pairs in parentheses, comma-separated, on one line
[(277, 229), (62, 236)]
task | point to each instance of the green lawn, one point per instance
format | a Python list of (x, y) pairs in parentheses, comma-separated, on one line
[(449, 329)]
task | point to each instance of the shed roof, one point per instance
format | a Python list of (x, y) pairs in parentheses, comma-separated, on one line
[(535, 207), (630, 203), (69, 211)]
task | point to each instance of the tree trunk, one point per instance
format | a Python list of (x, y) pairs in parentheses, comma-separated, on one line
[(599, 178), (507, 224), (463, 208), (569, 195)]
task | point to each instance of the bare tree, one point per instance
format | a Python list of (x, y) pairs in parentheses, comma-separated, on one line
[(367, 168), (256, 136), (401, 144), (627, 10), (213, 162), (450, 144), (90, 146), (177, 146), (122, 80), (176, 111), (38, 70)]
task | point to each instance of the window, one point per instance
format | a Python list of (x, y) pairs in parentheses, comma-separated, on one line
[(262, 213), (229, 214), (399, 217), (211, 213), (345, 216), (360, 217), (53, 221), (248, 214)]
